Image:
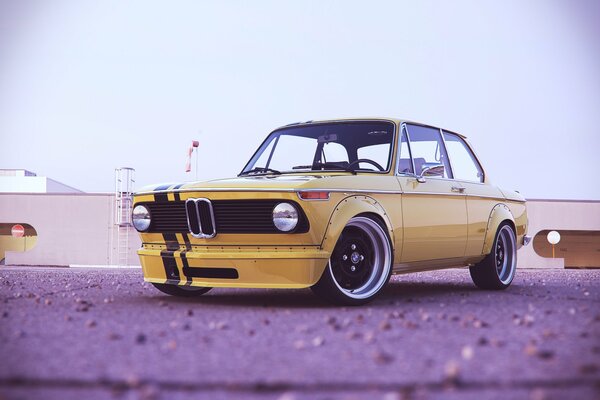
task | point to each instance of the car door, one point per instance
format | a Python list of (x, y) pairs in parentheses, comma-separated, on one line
[(481, 197), (434, 208)]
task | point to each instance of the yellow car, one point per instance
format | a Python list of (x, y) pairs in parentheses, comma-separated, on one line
[(337, 206)]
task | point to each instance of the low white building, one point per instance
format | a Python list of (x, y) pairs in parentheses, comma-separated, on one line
[(24, 181)]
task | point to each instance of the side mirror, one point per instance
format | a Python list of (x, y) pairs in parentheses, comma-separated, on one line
[(430, 169)]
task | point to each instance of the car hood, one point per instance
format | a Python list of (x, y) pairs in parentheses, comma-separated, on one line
[(279, 183)]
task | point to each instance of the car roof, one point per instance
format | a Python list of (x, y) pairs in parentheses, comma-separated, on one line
[(395, 120)]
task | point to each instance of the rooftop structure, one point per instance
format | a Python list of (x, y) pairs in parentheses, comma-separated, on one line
[(24, 181)]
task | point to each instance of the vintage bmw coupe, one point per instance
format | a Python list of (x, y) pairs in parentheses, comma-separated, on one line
[(337, 206)]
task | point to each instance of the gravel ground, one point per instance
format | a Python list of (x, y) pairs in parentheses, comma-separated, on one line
[(91, 334)]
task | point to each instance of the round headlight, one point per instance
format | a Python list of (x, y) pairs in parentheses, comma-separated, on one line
[(285, 217), (140, 218)]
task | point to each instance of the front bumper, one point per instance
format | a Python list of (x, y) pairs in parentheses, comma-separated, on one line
[(234, 266)]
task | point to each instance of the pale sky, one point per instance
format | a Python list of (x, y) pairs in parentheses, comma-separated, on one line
[(87, 86)]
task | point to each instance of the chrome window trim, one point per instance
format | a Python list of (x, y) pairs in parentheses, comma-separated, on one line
[(412, 160), (390, 162), (202, 234), (469, 149), (451, 172)]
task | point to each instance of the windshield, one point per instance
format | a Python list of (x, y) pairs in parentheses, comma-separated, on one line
[(339, 146)]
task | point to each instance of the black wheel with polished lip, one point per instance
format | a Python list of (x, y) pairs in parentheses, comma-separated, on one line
[(497, 270), (181, 291), (360, 264)]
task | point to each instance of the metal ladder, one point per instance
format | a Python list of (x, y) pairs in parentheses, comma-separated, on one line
[(124, 183)]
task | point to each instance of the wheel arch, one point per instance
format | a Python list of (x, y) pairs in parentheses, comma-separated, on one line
[(499, 215), (350, 207)]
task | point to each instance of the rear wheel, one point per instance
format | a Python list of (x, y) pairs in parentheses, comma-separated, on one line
[(360, 265), (181, 291), (497, 270)]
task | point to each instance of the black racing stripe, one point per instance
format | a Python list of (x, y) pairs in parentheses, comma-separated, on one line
[(168, 259), (188, 247), (161, 198), (171, 241), (171, 270), (186, 266)]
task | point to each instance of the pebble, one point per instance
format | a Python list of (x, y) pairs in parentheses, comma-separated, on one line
[(171, 345), (354, 335), (299, 344), (532, 350), (385, 325), (90, 323), (219, 325), (589, 368), (452, 371), (287, 396), (318, 341), (140, 338), (369, 337), (381, 357), (467, 352)]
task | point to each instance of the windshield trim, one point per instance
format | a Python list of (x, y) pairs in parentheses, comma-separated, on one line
[(348, 121)]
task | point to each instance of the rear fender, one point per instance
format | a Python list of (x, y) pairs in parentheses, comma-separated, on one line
[(499, 214)]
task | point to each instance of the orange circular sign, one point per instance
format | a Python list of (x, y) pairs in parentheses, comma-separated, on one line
[(17, 230)]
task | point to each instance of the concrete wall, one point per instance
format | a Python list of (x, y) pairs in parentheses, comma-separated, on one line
[(75, 228), (557, 215)]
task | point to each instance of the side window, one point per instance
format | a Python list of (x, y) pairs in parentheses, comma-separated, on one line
[(427, 147), (404, 163), (464, 163)]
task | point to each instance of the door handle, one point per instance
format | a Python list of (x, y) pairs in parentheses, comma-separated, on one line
[(458, 189)]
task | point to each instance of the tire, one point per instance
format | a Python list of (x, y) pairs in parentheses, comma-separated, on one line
[(360, 265), (181, 291), (497, 270)]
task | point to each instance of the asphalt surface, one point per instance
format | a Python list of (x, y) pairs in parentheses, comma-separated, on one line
[(91, 334)]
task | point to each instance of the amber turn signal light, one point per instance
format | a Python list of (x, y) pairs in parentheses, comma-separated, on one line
[(314, 195)]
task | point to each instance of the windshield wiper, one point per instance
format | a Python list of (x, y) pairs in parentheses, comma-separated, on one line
[(260, 170), (321, 166)]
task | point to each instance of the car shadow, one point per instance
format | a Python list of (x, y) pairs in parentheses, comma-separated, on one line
[(396, 293)]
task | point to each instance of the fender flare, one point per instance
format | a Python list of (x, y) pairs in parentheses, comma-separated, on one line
[(499, 214), (348, 208)]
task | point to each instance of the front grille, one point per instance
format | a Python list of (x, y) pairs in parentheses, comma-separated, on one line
[(231, 216), (199, 213)]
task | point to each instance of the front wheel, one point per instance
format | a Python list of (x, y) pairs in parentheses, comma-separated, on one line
[(360, 265), (181, 291), (497, 270)]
